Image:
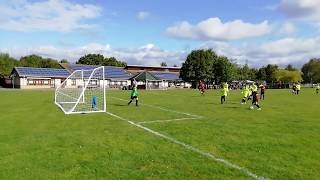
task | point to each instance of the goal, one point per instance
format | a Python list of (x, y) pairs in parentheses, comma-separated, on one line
[(82, 92)]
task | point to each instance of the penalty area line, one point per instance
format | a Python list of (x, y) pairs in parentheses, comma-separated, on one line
[(161, 108), (167, 120), (191, 148)]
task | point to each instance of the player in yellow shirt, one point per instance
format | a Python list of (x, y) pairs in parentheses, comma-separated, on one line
[(245, 92), (255, 99), (224, 93)]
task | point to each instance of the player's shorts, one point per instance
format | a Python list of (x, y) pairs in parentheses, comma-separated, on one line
[(134, 97), (255, 98)]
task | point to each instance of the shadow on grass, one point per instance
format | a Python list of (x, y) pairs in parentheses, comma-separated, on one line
[(233, 107), (118, 105)]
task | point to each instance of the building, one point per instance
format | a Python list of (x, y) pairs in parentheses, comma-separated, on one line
[(162, 77), (148, 77), (32, 78), (116, 77), (134, 69)]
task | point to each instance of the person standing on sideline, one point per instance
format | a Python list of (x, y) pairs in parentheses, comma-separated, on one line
[(317, 88), (298, 88), (262, 91)]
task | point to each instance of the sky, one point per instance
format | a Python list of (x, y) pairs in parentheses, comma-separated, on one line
[(148, 32)]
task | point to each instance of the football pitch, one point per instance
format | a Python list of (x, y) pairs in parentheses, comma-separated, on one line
[(174, 134)]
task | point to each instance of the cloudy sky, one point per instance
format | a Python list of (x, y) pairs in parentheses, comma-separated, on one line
[(147, 32)]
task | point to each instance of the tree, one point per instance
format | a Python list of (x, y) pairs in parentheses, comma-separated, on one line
[(91, 59), (247, 73), (287, 76), (7, 63), (112, 61), (98, 59), (38, 62), (290, 68), (64, 61), (311, 71), (261, 74), (198, 66), (163, 64), (267, 73), (224, 70), (175, 65)]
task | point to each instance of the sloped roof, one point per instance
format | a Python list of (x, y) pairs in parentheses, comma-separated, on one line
[(41, 72), (143, 76), (111, 72), (167, 76)]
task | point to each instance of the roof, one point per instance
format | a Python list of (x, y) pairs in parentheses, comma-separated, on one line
[(41, 72), (167, 76), (111, 72), (156, 67), (143, 76)]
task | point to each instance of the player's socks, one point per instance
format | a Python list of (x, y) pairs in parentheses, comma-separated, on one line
[(137, 104)]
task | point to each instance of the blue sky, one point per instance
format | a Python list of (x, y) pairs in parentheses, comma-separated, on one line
[(151, 31)]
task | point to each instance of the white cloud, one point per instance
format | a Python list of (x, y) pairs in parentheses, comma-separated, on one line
[(301, 9), (214, 29), (142, 15), (288, 28), (148, 54), (49, 15), (282, 52)]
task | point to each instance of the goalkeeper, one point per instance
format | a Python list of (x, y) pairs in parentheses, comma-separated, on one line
[(94, 102), (134, 95)]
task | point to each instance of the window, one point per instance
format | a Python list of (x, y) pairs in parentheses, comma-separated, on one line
[(38, 82)]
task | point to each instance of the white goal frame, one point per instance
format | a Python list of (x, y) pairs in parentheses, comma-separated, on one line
[(83, 83)]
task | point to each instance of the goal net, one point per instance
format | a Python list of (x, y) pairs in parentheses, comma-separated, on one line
[(82, 92)]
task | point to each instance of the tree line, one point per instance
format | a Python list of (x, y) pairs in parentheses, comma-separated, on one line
[(7, 63), (205, 64)]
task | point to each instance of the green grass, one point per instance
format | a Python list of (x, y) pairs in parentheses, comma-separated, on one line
[(37, 141)]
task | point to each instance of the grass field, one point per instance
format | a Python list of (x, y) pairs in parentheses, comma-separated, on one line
[(192, 137)]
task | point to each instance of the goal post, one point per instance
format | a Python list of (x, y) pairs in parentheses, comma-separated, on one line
[(84, 91)]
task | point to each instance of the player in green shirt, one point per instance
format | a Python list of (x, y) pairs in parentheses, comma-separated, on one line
[(134, 95)]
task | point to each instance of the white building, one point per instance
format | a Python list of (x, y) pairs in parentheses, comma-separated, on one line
[(33, 78)]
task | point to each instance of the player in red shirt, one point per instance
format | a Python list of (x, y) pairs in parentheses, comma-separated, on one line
[(201, 87)]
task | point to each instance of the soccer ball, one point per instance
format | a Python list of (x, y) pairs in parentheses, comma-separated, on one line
[(251, 107)]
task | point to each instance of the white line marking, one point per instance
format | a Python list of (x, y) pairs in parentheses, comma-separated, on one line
[(168, 120), (189, 147), (161, 108)]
